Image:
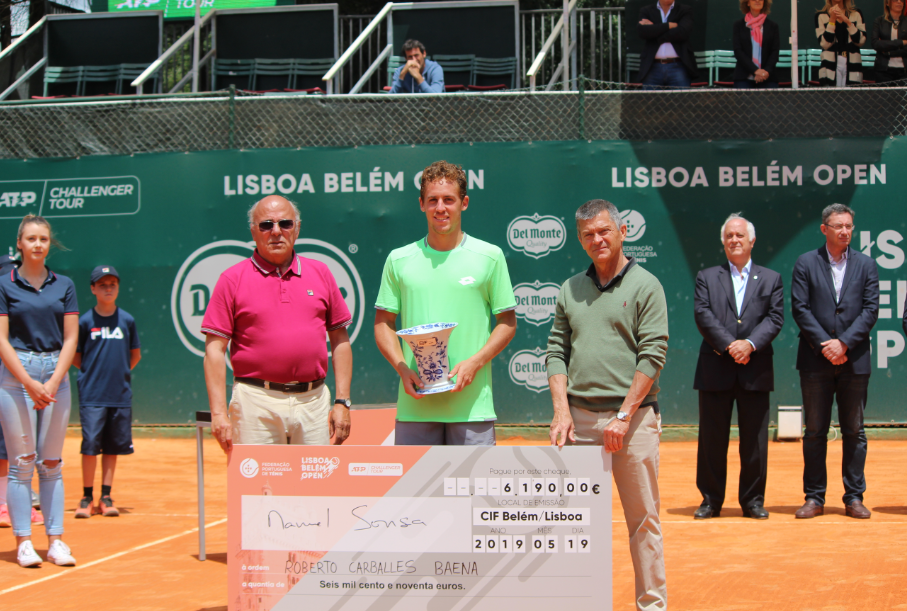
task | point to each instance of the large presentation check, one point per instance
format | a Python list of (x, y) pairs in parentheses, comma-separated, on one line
[(414, 527)]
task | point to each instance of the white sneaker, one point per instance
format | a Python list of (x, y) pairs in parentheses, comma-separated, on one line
[(59, 554), (27, 556)]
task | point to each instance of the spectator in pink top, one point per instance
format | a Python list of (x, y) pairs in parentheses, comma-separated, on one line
[(273, 311)]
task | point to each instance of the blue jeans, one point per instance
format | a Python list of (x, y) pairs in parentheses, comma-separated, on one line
[(666, 75), (32, 437), (748, 84), (820, 389)]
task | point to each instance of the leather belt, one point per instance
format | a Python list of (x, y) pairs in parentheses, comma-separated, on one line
[(292, 387), (670, 60)]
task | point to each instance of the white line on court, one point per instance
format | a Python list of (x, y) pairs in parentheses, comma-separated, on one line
[(168, 515), (111, 557)]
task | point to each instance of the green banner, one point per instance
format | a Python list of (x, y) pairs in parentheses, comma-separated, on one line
[(172, 223), (182, 9)]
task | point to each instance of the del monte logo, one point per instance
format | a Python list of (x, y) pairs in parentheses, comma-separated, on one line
[(536, 301), (535, 235), (195, 280), (527, 368)]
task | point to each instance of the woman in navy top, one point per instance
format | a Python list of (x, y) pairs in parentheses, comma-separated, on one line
[(39, 330)]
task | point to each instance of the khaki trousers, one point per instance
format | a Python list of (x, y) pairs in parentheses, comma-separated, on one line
[(262, 416), (635, 468)]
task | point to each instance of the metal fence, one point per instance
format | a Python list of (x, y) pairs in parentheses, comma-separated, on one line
[(599, 35), (350, 28), (158, 124)]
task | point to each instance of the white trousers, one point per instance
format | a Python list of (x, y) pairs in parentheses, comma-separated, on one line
[(635, 468), (262, 416)]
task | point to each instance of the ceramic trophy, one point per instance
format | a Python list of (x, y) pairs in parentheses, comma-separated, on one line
[(429, 345)]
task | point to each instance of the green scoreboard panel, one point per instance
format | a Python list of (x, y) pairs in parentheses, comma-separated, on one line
[(182, 9)]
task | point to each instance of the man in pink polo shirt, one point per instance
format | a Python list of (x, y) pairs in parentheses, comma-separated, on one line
[(273, 311)]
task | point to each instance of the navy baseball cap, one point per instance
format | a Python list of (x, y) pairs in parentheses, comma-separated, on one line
[(6, 261), (103, 270)]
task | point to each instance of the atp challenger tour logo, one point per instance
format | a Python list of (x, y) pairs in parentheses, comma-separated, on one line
[(535, 235), (536, 301), (527, 368), (195, 280)]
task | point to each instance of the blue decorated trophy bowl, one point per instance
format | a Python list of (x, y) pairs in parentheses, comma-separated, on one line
[(429, 345)]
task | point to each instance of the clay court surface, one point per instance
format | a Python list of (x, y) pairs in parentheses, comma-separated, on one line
[(147, 558)]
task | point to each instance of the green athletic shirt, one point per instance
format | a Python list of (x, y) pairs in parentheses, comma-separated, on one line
[(467, 285)]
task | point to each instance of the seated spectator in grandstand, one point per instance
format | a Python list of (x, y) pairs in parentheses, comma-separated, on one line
[(889, 39), (756, 46), (841, 32), (418, 74), (666, 60)]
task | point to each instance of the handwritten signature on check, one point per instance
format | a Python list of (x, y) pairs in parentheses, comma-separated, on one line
[(404, 522)]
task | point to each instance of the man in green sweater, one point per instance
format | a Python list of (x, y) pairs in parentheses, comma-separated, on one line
[(605, 352)]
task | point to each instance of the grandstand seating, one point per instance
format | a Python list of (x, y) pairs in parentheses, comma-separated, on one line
[(90, 80), (714, 61), (262, 74), (466, 72), (458, 69), (61, 75), (488, 71), (476, 43), (88, 55), (237, 72), (277, 49)]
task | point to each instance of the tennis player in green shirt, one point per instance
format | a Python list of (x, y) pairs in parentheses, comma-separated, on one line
[(447, 276)]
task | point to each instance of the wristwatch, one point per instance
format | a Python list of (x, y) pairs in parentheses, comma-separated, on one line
[(345, 402), (623, 416)]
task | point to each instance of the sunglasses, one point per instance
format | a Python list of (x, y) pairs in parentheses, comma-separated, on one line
[(282, 223)]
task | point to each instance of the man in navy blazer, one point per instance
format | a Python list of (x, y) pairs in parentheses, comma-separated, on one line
[(835, 302), (666, 59), (739, 309)]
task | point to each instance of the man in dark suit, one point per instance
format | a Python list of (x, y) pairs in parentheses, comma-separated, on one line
[(835, 302), (739, 309), (666, 60)]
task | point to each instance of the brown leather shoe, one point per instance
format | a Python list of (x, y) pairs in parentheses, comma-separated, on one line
[(810, 509), (858, 510)]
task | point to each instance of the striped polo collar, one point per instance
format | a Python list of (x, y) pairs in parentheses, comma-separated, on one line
[(269, 268)]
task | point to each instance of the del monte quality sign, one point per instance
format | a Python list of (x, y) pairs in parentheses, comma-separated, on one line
[(536, 301), (535, 235)]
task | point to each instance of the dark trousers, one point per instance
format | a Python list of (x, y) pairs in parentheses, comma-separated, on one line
[(820, 389), (672, 75), (890, 75), (715, 410)]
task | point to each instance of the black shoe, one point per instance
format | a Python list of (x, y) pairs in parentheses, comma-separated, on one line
[(755, 511), (705, 512)]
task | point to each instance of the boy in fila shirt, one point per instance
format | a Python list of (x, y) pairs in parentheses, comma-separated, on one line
[(107, 352)]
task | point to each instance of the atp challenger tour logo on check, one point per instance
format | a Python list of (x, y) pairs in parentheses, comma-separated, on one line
[(536, 301), (527, 368), (195, 280), (70, 197), (535, 235)]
